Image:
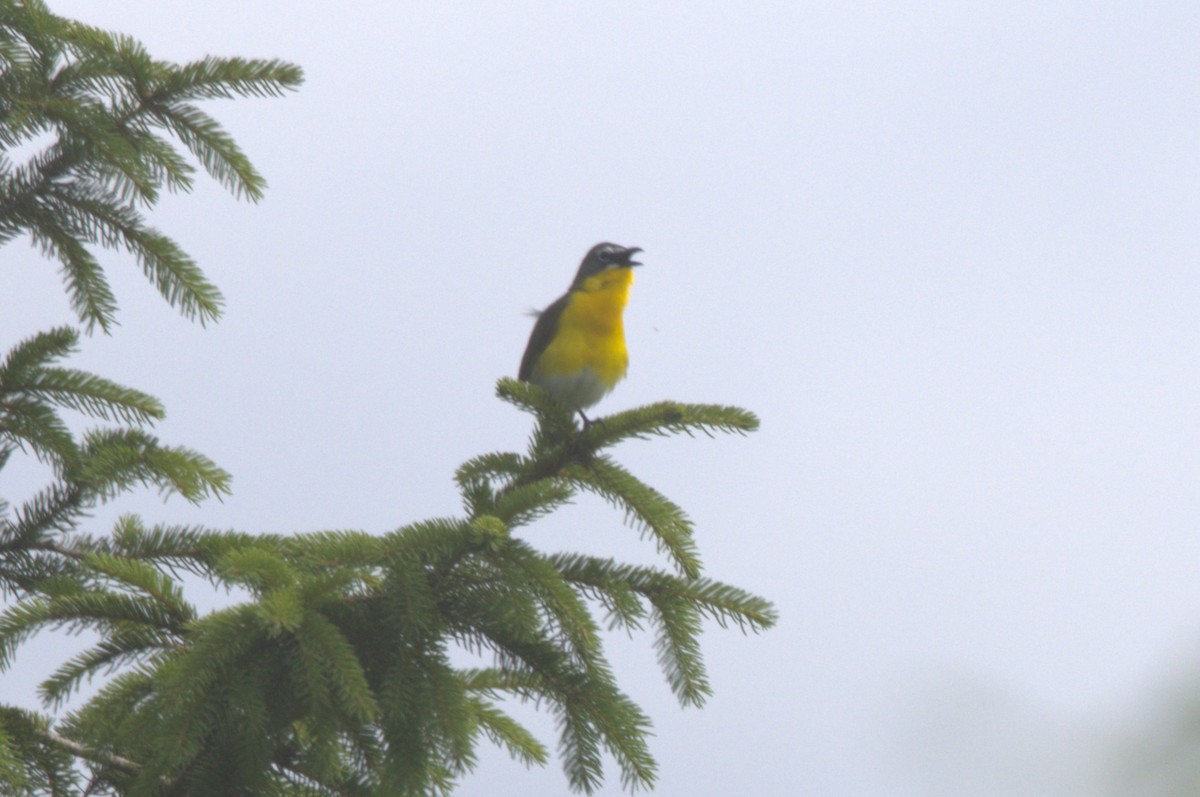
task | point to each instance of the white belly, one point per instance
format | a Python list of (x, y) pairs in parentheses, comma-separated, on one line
[(575, 392)]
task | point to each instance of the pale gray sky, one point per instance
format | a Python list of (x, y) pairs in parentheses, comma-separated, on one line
[(947, 251)]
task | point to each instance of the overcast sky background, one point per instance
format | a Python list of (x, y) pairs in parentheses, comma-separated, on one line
[(947, 251)]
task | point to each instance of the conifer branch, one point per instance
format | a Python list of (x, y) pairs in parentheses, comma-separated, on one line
[(26, 374), (506, 732), (189, 549), (644, 507), (112, 112), (130, 645), (213, 147), (115, 460), (668, 418), (88, 754), (25, 422), (559, 450), (721, 602), (678, 646)]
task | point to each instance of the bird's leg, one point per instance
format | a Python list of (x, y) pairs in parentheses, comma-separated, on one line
[(588, 422)]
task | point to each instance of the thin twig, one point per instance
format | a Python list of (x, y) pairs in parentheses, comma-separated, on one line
[(83, 751)]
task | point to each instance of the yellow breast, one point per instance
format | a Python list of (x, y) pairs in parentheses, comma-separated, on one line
[(590, 334)]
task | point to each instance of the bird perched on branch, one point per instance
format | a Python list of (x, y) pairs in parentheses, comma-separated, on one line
[(577, 349)]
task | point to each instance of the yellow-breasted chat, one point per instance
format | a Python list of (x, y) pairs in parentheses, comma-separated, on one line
[(577, 349)]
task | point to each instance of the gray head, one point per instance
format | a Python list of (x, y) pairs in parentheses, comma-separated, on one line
[(604, 256)]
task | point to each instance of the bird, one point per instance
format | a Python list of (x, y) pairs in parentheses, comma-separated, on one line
[(576, 351)]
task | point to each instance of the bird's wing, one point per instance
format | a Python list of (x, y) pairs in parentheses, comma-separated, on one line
[(543, 333)]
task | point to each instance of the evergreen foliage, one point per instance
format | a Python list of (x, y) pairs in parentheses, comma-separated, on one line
[(339, 670), (88, 470), (97, 115), (338, 673)]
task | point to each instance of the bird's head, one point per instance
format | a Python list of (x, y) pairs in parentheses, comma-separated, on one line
[(605, 257)]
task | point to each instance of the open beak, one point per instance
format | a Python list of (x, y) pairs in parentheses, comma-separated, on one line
[(629, 253)]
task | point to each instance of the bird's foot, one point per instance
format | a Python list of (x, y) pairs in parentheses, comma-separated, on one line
[(588, 423)]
